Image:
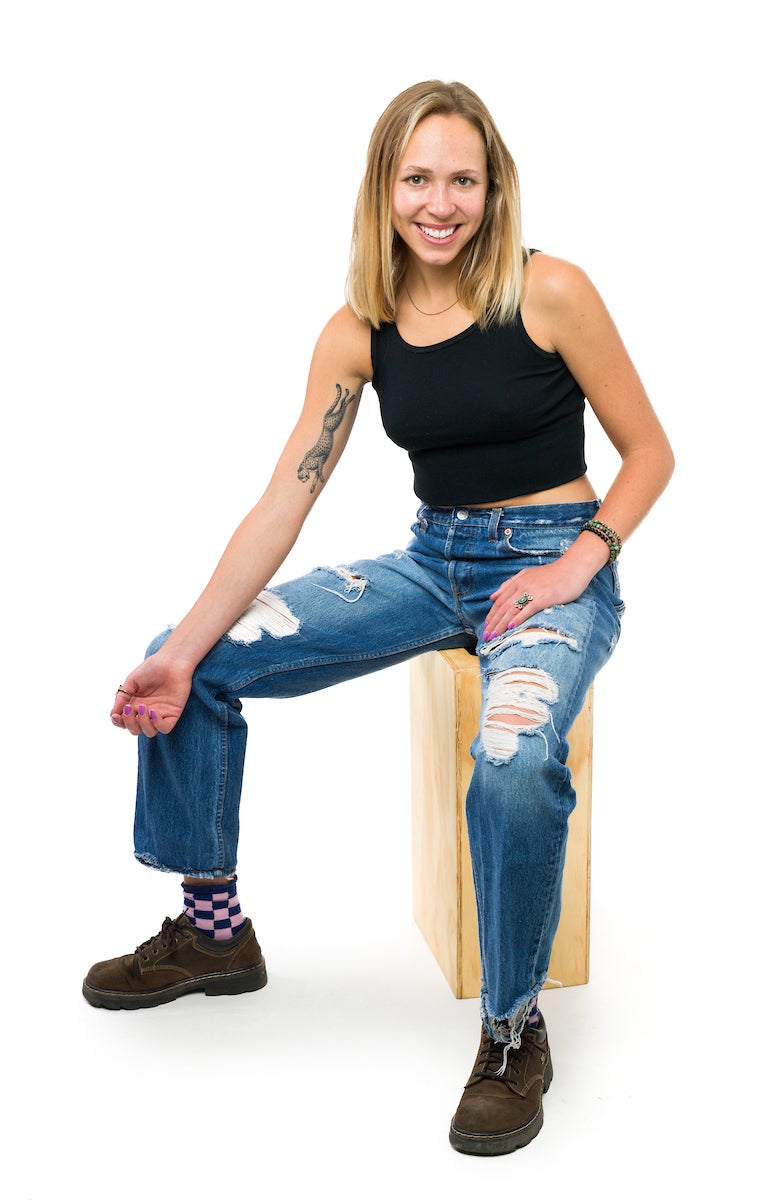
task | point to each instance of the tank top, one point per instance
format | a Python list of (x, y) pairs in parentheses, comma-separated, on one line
[(483, 415)]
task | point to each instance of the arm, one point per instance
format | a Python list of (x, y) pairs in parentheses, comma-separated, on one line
[(339, 370), (564, 312)]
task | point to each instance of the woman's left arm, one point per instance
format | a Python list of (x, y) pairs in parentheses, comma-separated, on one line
[(568, 307), (590, 345)]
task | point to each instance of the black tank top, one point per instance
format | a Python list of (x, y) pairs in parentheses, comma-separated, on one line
[(483, 416)]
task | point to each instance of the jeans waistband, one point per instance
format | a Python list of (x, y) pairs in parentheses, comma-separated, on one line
[(490, 519)]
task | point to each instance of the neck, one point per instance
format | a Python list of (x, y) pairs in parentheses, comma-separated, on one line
[(431, 290)]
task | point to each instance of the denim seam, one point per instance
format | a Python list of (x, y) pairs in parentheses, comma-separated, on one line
[(456, 597), (520, 1004), (566, 782), (306, 664), (224, 770)]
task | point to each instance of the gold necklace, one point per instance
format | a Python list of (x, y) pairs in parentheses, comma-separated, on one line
[(427, 314)]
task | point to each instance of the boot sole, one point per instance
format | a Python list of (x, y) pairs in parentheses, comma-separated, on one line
[(501, 1143), (222, 983)]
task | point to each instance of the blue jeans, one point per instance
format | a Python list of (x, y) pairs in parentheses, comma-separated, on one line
[(340, 622)]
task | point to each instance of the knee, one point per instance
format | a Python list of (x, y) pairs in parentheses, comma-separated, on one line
[(516, 716), (520, 775)]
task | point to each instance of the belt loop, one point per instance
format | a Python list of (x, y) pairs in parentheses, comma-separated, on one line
[(495, 521)]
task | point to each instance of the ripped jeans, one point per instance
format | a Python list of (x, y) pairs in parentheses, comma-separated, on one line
[(340, 622)]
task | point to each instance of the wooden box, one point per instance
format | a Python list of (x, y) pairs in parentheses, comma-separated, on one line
[(445, 705)]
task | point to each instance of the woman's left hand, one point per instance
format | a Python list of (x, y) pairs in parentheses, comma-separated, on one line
[(530, 591)]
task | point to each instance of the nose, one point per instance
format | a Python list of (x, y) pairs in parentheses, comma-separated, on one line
[(439, 201)]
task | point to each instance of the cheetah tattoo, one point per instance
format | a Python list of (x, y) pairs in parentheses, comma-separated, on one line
[(316, 457)]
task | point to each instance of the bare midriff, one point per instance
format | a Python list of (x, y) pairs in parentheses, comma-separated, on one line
[(573, 492)]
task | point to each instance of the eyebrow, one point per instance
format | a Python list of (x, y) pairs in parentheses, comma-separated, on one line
[(412, 169)]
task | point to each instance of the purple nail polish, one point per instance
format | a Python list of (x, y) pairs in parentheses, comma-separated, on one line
[(153, 715), (127, 710), (115, 720), (511, 625), (141, 710)]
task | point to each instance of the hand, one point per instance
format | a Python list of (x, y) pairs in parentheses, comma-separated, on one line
[(151, 698), (540, 587)]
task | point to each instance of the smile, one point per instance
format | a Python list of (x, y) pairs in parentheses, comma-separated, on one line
[(439, 233)]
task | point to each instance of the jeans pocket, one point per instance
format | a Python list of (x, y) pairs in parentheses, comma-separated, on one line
[(617, 599), (517, 542)]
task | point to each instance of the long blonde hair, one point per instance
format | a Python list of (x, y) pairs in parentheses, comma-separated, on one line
[(491, 279)]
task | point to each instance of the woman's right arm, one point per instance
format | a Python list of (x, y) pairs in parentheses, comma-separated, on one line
[(160, 686)]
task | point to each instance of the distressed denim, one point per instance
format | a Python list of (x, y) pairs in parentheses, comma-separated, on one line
[(340, 622)]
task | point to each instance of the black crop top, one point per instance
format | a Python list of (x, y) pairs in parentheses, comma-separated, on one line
[(483, 416)]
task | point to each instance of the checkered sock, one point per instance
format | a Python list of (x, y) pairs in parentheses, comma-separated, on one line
[(213, 908), (534, 1015)]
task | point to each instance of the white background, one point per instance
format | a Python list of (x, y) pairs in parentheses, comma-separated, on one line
[(178, 181)]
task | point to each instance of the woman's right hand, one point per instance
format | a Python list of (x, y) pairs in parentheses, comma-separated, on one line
[(151, 699)]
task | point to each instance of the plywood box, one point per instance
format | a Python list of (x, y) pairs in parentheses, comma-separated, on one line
[(445, 705)]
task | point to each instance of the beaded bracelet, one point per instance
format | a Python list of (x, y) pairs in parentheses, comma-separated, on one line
[(608, 535)]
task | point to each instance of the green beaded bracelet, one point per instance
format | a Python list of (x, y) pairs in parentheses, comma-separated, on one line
[(611, 539)]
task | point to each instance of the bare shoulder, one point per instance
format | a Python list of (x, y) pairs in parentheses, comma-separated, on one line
[(344, 342), (556, 284), (559, 301)]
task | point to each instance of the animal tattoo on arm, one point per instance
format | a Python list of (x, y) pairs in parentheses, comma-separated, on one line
[(316, 457)]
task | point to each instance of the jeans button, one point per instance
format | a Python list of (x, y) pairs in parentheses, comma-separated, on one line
[(461, 514)]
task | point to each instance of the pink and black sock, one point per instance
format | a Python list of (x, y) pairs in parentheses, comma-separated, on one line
[(533, 1015), (213, 908)]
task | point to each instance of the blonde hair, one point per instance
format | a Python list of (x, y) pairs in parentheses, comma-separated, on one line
[(491, 280)]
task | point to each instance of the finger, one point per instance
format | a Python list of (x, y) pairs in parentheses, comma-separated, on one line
[(147, 720), (493, 619), (522, 608), (508, 614), (126, 719), (122, 696)]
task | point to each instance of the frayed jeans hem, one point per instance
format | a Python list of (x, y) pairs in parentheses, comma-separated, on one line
[(149, 860), (509, 1028)]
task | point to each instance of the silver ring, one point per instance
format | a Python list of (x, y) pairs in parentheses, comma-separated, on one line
[(526, 598)]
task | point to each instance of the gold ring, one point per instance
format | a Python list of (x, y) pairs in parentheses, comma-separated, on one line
[(122, 689)]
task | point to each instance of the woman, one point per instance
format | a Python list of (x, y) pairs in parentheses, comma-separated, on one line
[(482, 355)]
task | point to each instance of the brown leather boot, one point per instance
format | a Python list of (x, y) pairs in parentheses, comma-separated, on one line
[(174, 962), (501, 1109)]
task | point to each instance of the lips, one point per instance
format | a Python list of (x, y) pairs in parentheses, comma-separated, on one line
[(438, 233)]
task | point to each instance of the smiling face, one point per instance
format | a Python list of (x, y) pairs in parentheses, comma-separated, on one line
[(440, 190)]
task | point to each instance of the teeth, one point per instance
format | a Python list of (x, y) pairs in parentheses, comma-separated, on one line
[(438, 233)]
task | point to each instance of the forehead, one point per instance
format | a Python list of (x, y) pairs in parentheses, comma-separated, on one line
[(440, 138)]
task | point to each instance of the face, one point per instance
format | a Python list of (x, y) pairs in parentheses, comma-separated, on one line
[(439, 192)]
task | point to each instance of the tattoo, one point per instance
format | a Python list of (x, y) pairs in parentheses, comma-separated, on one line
[(316, 457)]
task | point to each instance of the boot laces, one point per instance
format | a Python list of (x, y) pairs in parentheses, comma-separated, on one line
[(166, 939), (494, 1053), (515, 1044)]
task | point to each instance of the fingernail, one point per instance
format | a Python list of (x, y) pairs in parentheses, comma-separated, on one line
[(127, 710), (115, 720), (141, 710), (153, 715), (511, 625)]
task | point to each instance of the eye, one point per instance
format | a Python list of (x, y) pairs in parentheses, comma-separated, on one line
[(415, 179), (464, 180)]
